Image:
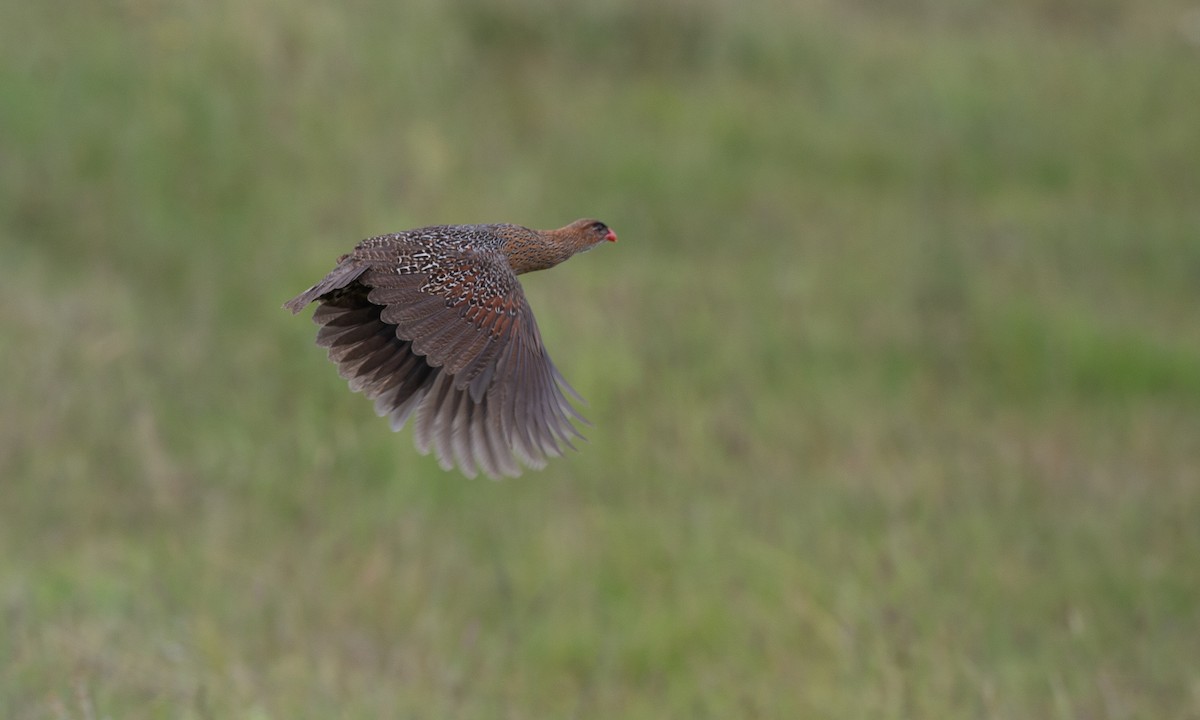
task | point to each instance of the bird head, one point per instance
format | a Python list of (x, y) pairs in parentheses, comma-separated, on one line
[(589, 232)]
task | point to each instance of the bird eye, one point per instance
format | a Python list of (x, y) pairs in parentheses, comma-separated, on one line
[(599, 227)]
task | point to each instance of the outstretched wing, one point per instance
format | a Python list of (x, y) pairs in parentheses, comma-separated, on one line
[(445, 337)]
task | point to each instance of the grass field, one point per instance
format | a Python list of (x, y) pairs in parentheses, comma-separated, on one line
[(894, 374)]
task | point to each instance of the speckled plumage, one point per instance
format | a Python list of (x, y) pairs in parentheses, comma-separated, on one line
[(432, 325)]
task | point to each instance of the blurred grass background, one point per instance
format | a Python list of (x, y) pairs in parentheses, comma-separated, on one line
[(895, 372)]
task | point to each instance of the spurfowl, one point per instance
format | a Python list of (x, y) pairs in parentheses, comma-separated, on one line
[(432, 324)]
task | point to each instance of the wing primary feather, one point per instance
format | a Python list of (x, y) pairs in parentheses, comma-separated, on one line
[(443, 424), (423, 422), (461, 436)]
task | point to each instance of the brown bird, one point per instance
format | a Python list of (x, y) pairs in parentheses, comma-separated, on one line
[(432, 324)]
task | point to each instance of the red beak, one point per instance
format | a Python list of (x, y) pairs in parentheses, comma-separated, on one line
[(611, 236)]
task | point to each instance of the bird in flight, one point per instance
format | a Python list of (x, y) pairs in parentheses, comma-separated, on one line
[(432, 325)]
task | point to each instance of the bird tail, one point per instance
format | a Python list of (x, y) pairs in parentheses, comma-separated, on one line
[(347, 271)]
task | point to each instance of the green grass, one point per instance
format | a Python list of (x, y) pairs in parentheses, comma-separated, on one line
[(894, 374)]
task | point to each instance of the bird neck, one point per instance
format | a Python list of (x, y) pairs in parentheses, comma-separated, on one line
[(530, 250)]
